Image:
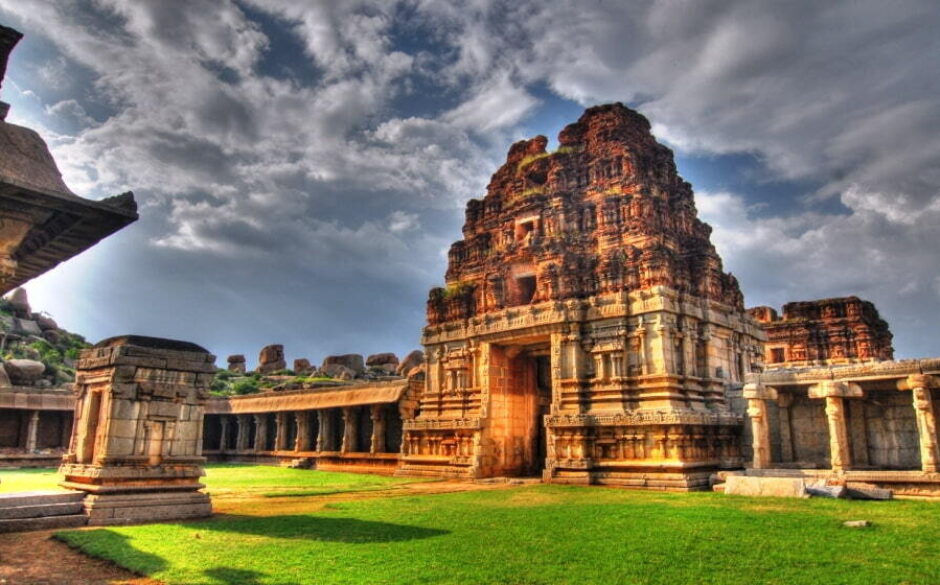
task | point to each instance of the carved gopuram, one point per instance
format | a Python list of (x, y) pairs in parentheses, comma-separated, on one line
[(873, 423), (586, 332), (43, 223), (136, 447), (828, 331), (349, 427)]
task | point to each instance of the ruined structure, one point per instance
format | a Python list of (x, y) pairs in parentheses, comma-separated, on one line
[(586, 332), (43, 223), (828, 331), (136, 448), (353, 426)]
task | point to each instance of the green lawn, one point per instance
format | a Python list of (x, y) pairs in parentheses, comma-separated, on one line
[(235, 480), (526, 535)]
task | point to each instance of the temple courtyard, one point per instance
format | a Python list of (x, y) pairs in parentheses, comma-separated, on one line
[(285, 526)]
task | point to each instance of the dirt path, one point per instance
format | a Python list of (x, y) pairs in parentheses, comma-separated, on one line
[(35, 558)]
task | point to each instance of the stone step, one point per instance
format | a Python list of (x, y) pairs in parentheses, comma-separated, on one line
[(17, 499), (46, 523), (41, 510)]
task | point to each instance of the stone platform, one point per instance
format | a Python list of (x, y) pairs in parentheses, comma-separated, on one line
[(41, 510)]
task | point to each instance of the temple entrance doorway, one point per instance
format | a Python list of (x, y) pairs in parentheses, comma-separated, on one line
[(521, 396)]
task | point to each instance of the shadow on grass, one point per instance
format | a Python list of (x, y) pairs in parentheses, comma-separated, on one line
[(227, 576), (323, 528), (107, 544)]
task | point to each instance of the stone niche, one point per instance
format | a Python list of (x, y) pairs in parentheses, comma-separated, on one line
[(136, 447)]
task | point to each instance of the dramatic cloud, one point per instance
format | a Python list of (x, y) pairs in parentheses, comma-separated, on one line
[(302, 166)]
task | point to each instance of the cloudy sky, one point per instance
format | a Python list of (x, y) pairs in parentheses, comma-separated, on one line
[(301, 167)]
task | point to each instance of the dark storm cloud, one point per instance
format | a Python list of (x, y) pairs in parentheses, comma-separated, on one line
[(311, 200)]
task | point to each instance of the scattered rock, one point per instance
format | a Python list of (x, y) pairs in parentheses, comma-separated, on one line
[(45, 322), (23, 372), (302, 367), (415, 358), (271, 359), (778, 487), (338, 371), (353, 361), (53, 336), (383, 363), (236, 363), (20, 303), (856, 523)]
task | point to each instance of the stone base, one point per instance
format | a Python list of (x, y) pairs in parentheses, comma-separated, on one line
[(651, 480), (115, 509)]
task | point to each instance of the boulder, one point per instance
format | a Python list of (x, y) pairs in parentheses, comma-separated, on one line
[(338, 371), (20, 303), (271, 359), (387, 363), (303, 367), (24, 371), (353, 361), (413, 359), (46, 322), (236, 363), (4, 378)]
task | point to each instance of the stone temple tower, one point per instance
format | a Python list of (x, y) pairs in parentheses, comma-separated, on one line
[(587, 332)]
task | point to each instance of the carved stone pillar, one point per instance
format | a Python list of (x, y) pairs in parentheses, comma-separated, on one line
[(378, 429), (757, 395), (223, 437), (302, 420), (261, 432), (349, 430), (280, 437), (323, 426), (241, 439), (32, 431), (835, 393), (926, 420), (784, 401)]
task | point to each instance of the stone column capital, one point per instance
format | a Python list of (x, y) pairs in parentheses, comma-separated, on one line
[(836, 389), (757, 391), (915, 381)]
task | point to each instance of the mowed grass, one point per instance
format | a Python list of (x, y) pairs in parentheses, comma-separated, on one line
[(533, 534), (28, 480)]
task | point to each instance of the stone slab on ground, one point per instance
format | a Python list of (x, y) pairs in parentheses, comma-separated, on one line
[(818, 488), (860, 491), (777, 487), (41, 510)]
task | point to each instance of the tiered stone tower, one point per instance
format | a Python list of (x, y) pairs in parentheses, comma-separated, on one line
[(587, 331)]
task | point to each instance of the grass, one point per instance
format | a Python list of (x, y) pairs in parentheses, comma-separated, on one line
[(524, 535), (28, 480)]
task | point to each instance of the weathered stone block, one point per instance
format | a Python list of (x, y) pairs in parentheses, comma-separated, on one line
[(778, 487)]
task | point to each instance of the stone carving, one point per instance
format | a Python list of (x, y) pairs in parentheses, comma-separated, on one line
[(837, 331), (585, 321), (136, 447), (236, 363), (271, 359)]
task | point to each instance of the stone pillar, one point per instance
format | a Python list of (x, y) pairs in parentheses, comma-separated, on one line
[(378, 429), (757, 395), (241, 440), (302, 420), (32, 431), (784, 401), (261, 432), (223, 425), (835, 393), (139, 438), (926, 420), (324, 430), (280, 437), (349, 429)]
